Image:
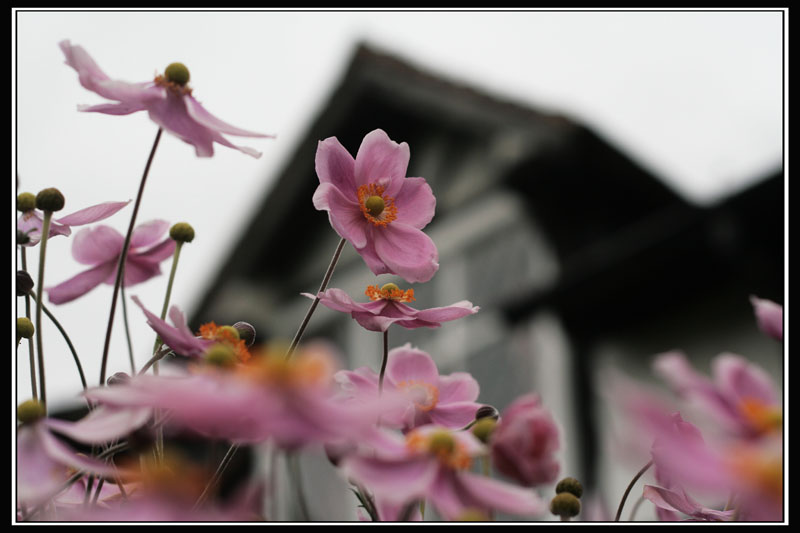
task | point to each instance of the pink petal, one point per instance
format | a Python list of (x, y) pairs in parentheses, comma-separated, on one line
[(252, 152), (454, 415), (409, 364), (415, 203), (179, 338), (458, 387), (114, 109), (91, 214), (31, 223), (769, 316), (137, 271), (372, 322), (171, 115), (100, 244), (204, 118), (407, 251), (446, 314), (80, 284), (501, 496), (370, 256), (359, 383), (335, 165), (739, 380), (61, 453), (397, 481), (380, 157), (344, 214), (157, 253), (339, 300), (681, 502), (148, 233), (102, 424)]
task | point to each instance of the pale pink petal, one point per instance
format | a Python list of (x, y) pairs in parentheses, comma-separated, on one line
[(339, 300), (447, 500), (91, 214), (739, 380), (80, 284), (148, 233), (204, 118), (454, 415), (157, 253), (336, 166), (769, 316), (179, 338), (102, 424), (458, 387), (448, 313), (218, 138), (114, 109), (370, 256), (679, 501), (137, 271), (100, 244), (61, 453), (502, 496), (415, 203), (397, 481), (345, 215), (373, 322), (359, 383), (31, 223), (171, 115), (380, 157), (407, 251), (406, 364)]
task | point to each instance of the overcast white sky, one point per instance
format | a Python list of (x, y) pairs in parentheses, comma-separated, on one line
[(694, 96)]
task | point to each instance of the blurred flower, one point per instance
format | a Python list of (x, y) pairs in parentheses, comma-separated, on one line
[(30, 222), (524, 442), (769, 316), (101, 248), (372, 204), (432, 464), (448, 401), (388, 307), (167, 99)]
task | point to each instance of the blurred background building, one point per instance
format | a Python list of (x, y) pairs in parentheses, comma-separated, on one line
[(579, 258)]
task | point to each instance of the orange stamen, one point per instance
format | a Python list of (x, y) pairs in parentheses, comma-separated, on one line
[(213, 332), (375, 293), (431, 393), (457, 458), (180, 90), (764, 418), (389, 212)]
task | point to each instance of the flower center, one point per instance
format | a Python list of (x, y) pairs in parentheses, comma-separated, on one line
[(228, 336), (377, 208), (175, 79), (424, 395), (764, 418), (441, 444), (390, 291)]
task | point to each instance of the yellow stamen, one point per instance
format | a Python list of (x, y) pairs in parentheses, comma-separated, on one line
[(377, 208), (443, 445), (390, 291), (226, 335)]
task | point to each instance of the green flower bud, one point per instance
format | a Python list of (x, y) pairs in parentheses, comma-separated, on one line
[(390, 287), (246, 332), (571, 485), (177, 73), (483, 428), (26, 201), (182, 232), (25, 328), (565, 504), (487, 411), (50, 199), (375, 205), (30, 411), (221, 355)]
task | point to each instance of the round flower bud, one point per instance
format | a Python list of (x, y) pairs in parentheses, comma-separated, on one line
[(221, 356), (50, 199), (482, 429), (119, 378), (487, 411), (24, 283), (442, 442), (177, 73), (26, 201), (30, 411), (571, 485), (246, 332), (375, 205), (565, 504), (182, 232), (25, 328), (22, 237), (390, 287)]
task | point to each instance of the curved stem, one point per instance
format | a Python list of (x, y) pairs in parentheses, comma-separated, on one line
[(325, 280), (127, 329), (61, 329), (48, 215), (31, 356), (123, 256), (385, 359), (157, 357), (639, 474)]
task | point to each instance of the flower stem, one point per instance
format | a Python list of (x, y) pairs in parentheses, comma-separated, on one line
[(48, 215), (322, 287), (385, 359), (127, 329), (63, 332), (175, 256), (216, 477), (123, 256), (639, 474), (154, 359), (31, 356)]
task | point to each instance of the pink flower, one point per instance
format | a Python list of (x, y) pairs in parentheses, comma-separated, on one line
[(769, 316), (167, 99), (101, 248), (388, 307), (448, 401), (30, 222), (525, 441), (372, 204), (179, 337), (432, 463)]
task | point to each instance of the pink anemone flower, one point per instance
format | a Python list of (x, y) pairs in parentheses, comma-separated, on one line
[(167, 99), (371, 203), (101, 246), (178, 337), (388, 306), (448, 401), (30, 222), (432, 463)]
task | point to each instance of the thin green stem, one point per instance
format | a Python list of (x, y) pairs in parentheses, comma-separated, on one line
[(123, 256), (63, 332), (639, 474), (31, 356), (216, 477), (175, 256), (384, 360), (325, 280), (48, 215), (127, 328)]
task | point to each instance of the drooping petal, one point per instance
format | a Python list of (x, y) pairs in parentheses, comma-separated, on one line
[(157, 253), (336, 166), (739, 380), (374, 322), (204, 118), (179, 338), (339, 300), (148, 233), (91, 214), (681, 502), (407, 364), (100, 244), (370, 256), (415, 203), (102, 424), (60, 452), (448, 313), (501, 496), (407, 251), (769, 316), (30, 223), (345, 215), (171, 115), (137, 271), (380, 157), (454, 415), (458, 387), (398, 481), (114, 109), (252, 152), (81, 284)]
